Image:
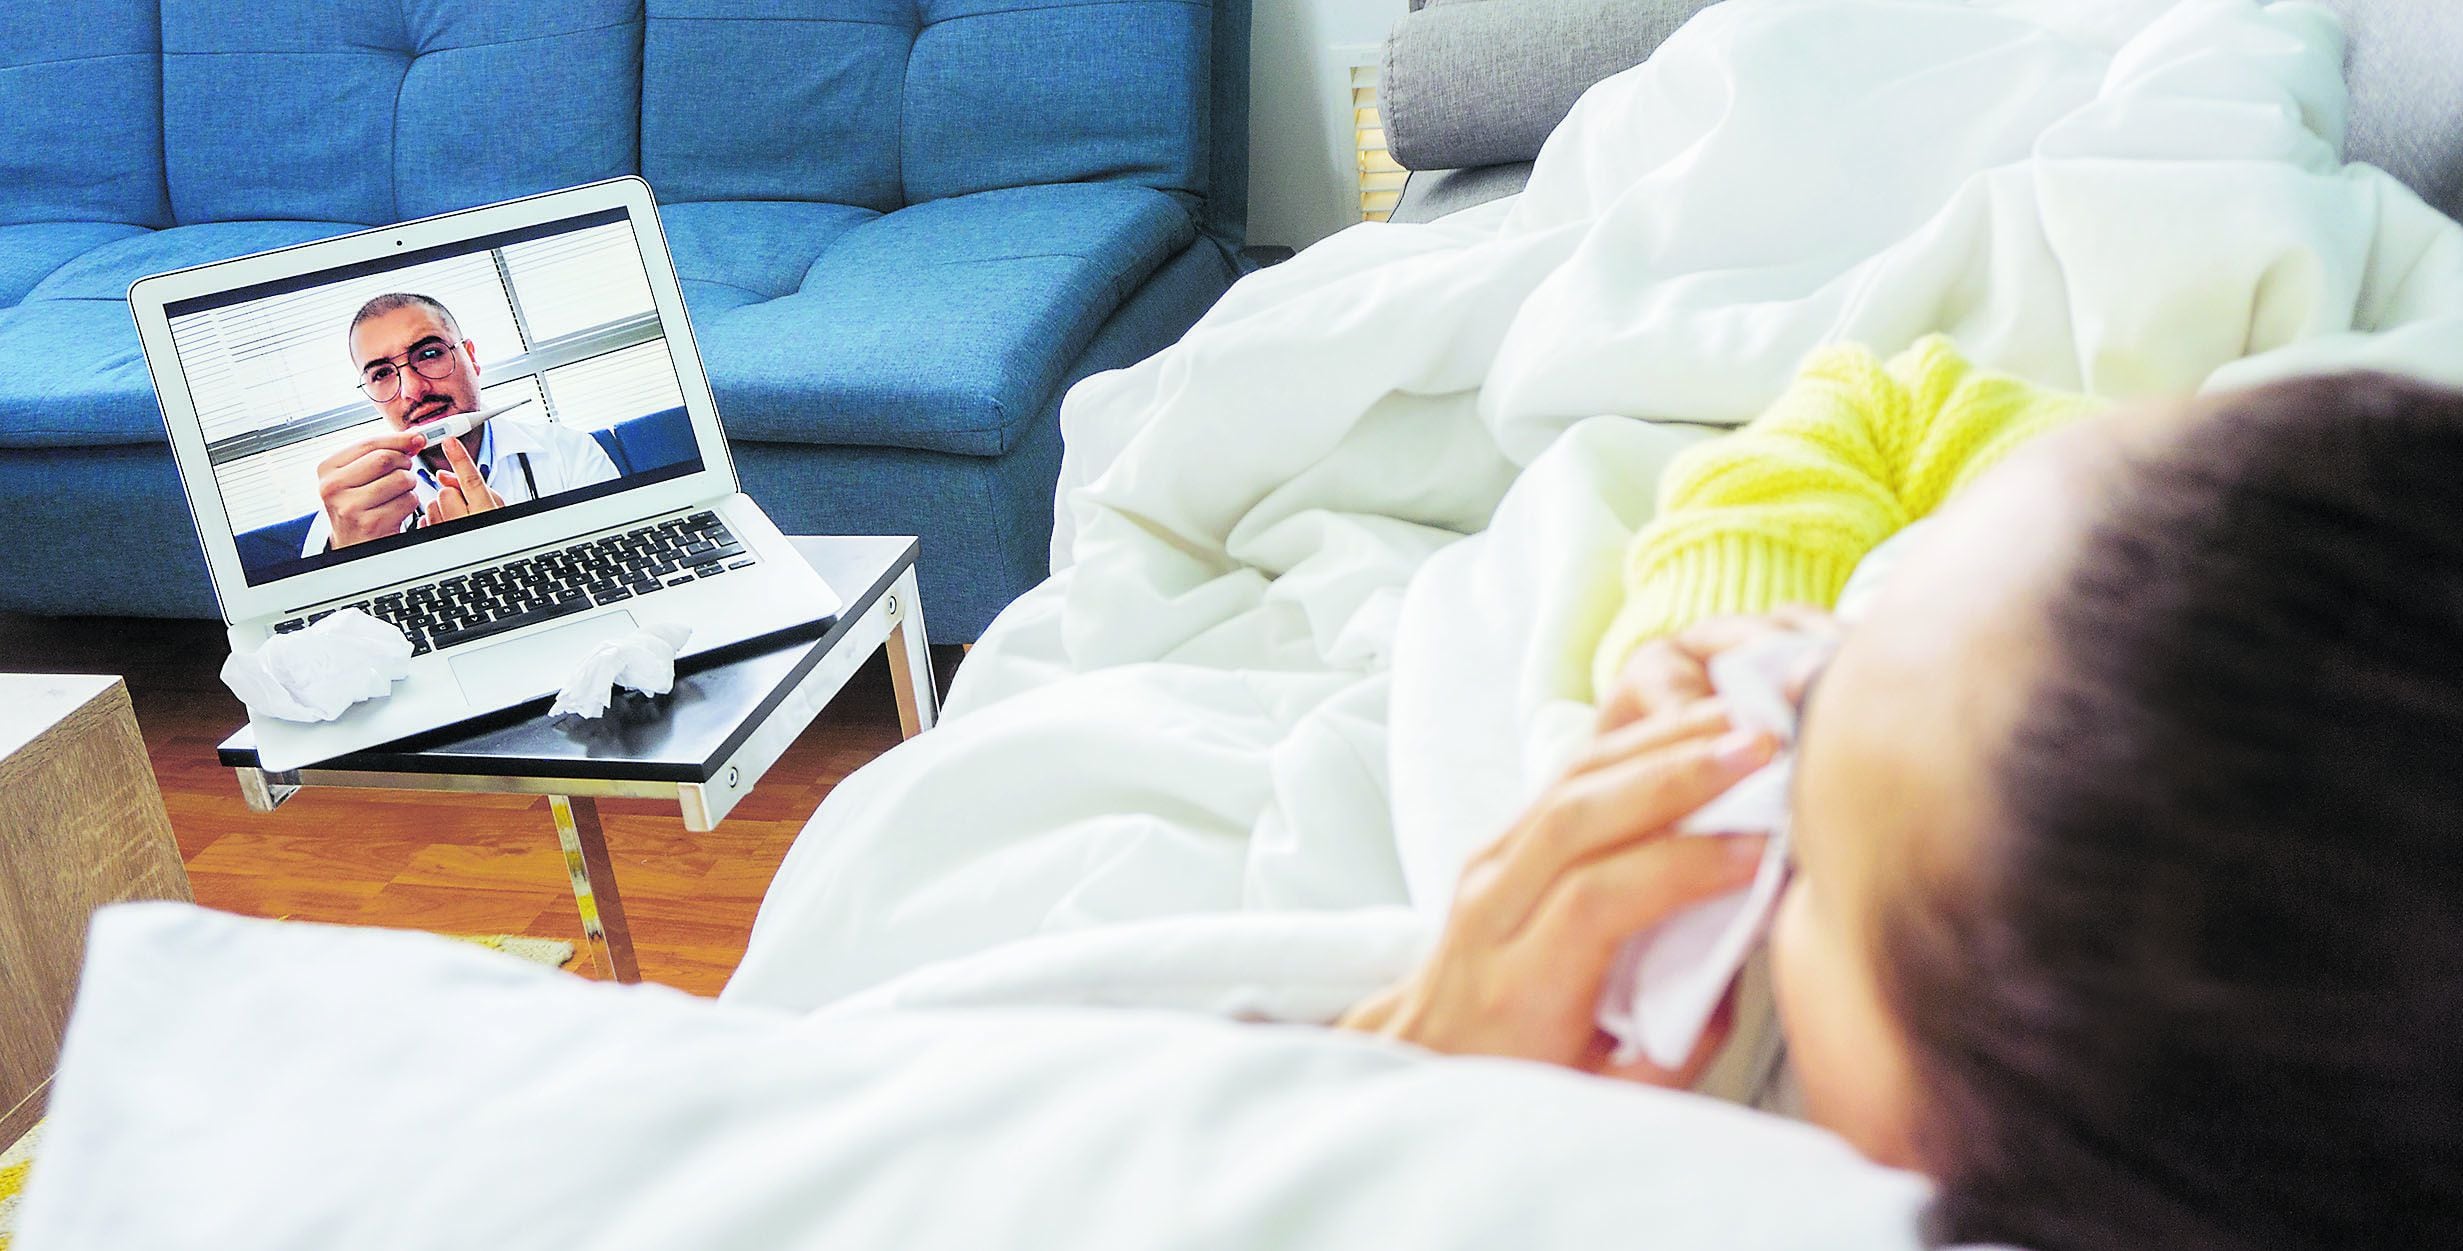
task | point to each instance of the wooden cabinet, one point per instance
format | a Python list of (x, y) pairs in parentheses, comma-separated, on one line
[(81, 825)]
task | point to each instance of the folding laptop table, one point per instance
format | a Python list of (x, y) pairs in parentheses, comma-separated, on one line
[(703, 745)]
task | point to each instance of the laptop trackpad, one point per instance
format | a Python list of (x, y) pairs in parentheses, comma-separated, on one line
[(506, 673)]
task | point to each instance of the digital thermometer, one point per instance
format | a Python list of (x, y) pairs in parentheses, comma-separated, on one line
[(459, 424)]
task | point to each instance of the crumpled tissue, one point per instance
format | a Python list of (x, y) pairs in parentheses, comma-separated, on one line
[(317, 673), (644, 661), (1665, 984)]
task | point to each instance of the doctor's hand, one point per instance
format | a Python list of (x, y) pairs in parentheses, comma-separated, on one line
[(367, 488), (1539, 915), (460, 490)]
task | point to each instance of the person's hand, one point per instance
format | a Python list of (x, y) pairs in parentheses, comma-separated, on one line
[(1540, 914), (460, 490), (367, 489), (1673, 670)]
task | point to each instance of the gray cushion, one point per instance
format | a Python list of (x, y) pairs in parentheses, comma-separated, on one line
[(1482, 82), (1432, 193), (2406, 71)]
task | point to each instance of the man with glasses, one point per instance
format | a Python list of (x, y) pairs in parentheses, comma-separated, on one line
[(416, 367)]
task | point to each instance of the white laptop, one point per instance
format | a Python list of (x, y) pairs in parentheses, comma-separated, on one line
[(489, 428)]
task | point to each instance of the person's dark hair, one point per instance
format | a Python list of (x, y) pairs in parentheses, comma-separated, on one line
[(392, 300), (2202, 985)]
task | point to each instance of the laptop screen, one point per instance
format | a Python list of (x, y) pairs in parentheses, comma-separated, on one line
[(534, 358)]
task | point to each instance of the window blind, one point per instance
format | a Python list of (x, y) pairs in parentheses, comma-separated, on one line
[(618, 386), (574, 282), (267, 362), (1381, 180), (281, 484)]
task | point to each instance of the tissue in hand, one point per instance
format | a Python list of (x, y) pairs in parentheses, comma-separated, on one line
[(644, 661), (317, 673), (1666, 983)]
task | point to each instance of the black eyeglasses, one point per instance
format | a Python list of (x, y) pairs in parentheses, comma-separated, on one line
[(433, 358)]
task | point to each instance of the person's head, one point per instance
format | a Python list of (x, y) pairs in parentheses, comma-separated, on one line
[(2131, 834), (412, 360)]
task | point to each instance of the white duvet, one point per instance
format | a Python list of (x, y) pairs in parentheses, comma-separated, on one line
[(1329, 573)]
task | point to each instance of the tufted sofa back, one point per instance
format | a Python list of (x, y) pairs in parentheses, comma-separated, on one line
[(377, 110), (81, 114), (156, 112), (891, 102)]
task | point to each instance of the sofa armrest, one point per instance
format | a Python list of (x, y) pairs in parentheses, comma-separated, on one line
[(2407, 93), (1429, 194), (1482, 82)]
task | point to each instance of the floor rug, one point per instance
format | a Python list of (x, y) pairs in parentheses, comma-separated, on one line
[(14, 1161)]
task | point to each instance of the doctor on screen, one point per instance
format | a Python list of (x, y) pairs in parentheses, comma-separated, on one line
[(415, 365)]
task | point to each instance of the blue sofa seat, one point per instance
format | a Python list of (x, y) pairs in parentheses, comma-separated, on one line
[(31, 251), (903, 227), (949, 323), (75, 375)]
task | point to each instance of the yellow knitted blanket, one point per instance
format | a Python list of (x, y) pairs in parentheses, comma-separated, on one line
[(1780, 511)]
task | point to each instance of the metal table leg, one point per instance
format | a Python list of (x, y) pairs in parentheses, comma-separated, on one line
[(594, 885), (910, 659)]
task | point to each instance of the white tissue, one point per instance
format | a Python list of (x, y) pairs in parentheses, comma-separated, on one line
[(317, 673), (1666, 983), (644, 661)]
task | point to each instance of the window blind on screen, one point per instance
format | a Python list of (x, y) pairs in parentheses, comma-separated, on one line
[(574, 282), (281, 484), (621, 385), (267, 362)]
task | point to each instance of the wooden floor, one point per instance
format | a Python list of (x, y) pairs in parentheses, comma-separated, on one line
[(456, 864)]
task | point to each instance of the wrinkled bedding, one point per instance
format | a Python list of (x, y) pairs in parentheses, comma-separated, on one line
[(1328, 572)]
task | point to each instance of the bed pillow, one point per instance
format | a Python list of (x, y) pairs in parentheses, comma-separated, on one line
[(250, 1084)]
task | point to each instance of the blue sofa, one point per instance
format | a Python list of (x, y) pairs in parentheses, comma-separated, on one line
[(904, 228)]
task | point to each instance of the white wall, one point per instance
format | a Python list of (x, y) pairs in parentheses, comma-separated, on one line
[(1302, 170)]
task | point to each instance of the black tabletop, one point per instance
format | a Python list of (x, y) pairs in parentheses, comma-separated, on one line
[(686, 735)]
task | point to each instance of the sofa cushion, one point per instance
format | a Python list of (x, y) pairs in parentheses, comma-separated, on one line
[(879, 103), (945, 326), (730, 253), (105, 272), (81, 113), (28, 253), (76, 375), (374, 111), (811, 90), (1007, 93)]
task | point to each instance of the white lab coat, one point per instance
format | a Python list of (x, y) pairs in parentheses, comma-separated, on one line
[(557, 458)]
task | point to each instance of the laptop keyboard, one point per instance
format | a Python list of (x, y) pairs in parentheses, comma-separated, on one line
[(484, 603)]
